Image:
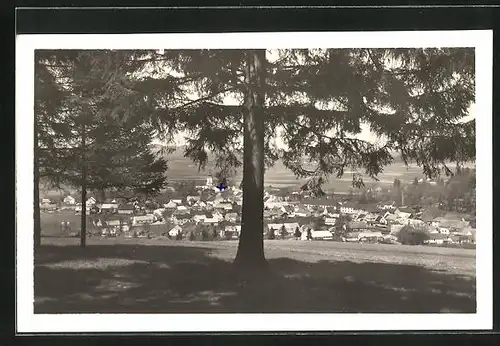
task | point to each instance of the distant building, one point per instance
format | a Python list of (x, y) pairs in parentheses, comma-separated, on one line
[(69, 200)]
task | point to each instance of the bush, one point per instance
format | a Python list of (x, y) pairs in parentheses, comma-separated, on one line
[(409, 235), (297, 233), (270, 234), (191, 236)]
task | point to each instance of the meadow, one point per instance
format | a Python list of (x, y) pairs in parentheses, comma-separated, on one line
[(181, 168), (162, 276)]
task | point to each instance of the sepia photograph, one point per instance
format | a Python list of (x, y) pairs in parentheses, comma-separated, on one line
[(186, 182)]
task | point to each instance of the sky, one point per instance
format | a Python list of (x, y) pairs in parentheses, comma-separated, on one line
[(366, 134)]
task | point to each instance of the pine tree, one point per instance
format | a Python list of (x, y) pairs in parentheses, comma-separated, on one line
[(98, 137), (316, 100)]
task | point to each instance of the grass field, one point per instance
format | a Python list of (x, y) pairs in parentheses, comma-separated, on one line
[(140, 275), (181, 168)]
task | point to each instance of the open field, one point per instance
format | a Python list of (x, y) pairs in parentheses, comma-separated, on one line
[(140, 275), (181, 168)]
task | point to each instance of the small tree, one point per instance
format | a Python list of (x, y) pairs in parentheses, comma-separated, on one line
[(204, 234), (297, 233), (283, 232), (270, 234)]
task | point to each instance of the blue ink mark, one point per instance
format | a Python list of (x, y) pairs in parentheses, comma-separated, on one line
[(221, 187)]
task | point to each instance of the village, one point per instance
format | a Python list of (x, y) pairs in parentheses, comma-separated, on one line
[(215, 214)]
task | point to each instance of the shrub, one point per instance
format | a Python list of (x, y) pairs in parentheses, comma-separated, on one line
[(270, 234), (283, 232), (204, 234), (409, 235), (297, 233)]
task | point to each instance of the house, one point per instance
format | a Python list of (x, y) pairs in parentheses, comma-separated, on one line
[(217, 215), (46, 201), (211, 221), (381, 220), (53, 206), (330, 221), (193, 199), (223, 206), (403, 213), (349, 208), (174, 232), (143, 220), (395, 228), (437, 238), (270, 214), (455, 225), (91, 201), (371, 217), (182, 208), (170, 205), (351, 237), (126, 209), (302, 212), (358, 225), (321, 235), (176, 201), (69, 200), (233, 229), (291, 226), (199, 218), (108, 207), (232, 217), (370, 236), (114, 225)]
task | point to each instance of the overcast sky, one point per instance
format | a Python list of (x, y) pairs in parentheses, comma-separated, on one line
[(365, 134)]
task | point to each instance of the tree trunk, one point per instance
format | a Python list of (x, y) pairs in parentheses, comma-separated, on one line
[(250, 253), (83, 231), (37, 232)]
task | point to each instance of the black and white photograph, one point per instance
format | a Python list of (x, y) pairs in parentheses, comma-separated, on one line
[(186, 182)]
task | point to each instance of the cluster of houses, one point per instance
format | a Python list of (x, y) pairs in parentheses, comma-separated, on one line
[(221, 211)]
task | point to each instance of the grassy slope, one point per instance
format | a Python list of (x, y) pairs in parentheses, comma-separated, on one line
[(170, 276)]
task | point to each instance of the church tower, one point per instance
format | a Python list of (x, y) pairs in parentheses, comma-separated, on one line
[(210, 181)]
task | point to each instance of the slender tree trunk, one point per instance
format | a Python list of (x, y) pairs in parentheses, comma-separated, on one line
[(83, 231), (37, 232), (250, 253)]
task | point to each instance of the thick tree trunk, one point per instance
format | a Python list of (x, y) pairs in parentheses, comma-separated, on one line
[(37, 231), (83, 231), (250, 253)]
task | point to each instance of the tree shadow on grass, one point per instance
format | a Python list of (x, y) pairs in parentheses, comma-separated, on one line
[(183, 279)]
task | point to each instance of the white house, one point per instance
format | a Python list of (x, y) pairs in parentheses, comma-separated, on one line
[(91, 201), (323, 235), (108, 207), (211, 221), (143, 219), (182, 208), (444, 230), (170, 205), (199, 218), (176, 201), (330, 221), (69, 200), (218, 216), (236, 228), (175, 231)]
